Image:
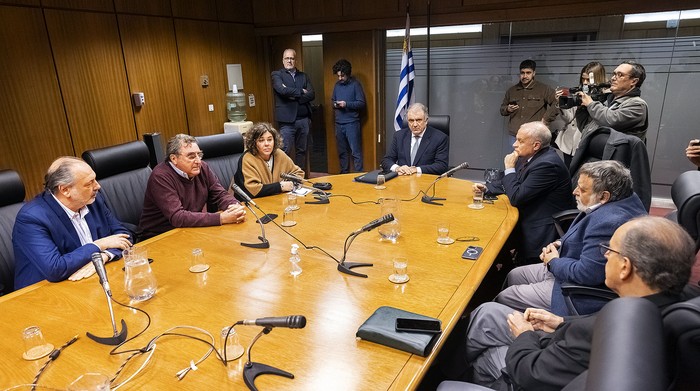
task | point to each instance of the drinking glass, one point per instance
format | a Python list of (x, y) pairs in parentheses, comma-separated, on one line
[(400, 275), (90, 382), (292, 201), (289, 217), (234, 349), (477, 200), (381, 180), (35, 347), (139, 282), (198, 263), (443, 233), (391, 230)]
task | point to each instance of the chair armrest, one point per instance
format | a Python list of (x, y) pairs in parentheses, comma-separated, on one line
[(572, 291)]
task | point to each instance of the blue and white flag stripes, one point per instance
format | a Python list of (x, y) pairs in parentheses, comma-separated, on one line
[(405, 97)]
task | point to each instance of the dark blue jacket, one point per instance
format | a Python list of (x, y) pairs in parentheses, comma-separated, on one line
[(580, 261), (291, 102), (46, 245), (432, 155), (351, 92), (538, 189)]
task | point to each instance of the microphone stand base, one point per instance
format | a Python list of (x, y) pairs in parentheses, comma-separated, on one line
[(255, 369), (319, 201), (117, 339), (431, 200), (264, 244), (344, 267)]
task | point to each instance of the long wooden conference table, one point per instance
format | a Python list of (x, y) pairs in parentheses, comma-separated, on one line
[(248, 283)]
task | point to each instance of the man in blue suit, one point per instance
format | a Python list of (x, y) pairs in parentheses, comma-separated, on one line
[(605, 198), (536, 182), (293, 95), (56, 233), (419, 148)]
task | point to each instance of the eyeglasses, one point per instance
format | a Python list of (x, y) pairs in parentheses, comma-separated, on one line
[(194, 155), (605, 247), (288, 59), (619, 75)]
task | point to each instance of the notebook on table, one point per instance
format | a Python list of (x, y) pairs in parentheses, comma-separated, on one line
[(371, 177), (380, 328)]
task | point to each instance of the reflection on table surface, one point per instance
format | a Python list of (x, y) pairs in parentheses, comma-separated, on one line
[(248, 283)]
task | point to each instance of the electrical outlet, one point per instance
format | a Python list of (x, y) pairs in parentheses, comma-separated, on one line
[(138, 99), (251, 100), (211, 107), (204, 80)]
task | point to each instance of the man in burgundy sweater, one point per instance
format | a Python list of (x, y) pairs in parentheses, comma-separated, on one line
[(179, 190)]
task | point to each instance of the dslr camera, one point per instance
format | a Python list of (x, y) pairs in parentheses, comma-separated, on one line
[(594, 90)]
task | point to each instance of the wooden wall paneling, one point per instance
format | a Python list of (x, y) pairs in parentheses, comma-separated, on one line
[(374, 8), (235, 11), (317, 10), (363, 57), (239, 46), (85, 5), (140, 7), (273, 12), (200, 9), (150, 52), (200, 54), (92, 75), (35, 3), (33, 130)]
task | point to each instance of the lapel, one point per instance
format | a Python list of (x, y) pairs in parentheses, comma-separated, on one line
[(62, 217), (575, 224)]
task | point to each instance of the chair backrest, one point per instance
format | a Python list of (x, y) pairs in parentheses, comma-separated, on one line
[(628, 350), (122, 171), (685, 193), (440, 122), (221, 152), (608, 144), (11, 200), (682, 328)]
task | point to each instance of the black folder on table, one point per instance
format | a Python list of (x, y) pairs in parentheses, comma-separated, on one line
[(380, 328), (371, 177)]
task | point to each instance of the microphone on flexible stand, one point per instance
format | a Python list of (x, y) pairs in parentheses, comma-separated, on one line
[(345, 267), (251, 370), (118, 337), (264, 243), (322, 198), (431, 199)]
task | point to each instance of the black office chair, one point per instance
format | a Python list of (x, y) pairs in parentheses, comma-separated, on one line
[(122, 171), (685, 193), (222, 152), (11, 200), (627, 354), (608, 144), (440, 122), (682, 327)]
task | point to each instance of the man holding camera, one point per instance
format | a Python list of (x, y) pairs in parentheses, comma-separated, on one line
[(623, 110)]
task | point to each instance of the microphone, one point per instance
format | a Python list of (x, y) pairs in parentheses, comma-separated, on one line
[(292, 178), (291, 321), (101, 273), (243, 194), (376, 223), (455, 169)]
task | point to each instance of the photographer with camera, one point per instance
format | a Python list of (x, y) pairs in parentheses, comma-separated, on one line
[(568, 124), (623, 110)]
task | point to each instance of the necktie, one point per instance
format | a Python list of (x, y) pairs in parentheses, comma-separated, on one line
[(414, 149)]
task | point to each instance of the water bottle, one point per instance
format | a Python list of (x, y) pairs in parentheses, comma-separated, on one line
[(294, 259), (235, 105)]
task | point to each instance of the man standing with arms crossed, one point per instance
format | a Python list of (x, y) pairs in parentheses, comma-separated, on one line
[(293, 95)]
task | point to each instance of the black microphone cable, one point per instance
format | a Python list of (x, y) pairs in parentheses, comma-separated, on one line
[(148, 324)]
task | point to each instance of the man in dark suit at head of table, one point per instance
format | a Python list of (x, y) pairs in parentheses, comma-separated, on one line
[(419, 148)]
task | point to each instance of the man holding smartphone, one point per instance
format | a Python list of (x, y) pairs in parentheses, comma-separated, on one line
[(348, 100), (693, 152), (527, 101)]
